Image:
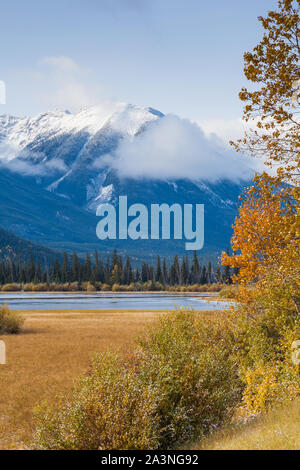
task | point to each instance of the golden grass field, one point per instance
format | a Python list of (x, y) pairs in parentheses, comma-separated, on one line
[(53, 350)]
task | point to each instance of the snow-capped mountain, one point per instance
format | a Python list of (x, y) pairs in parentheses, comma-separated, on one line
[(120, 117), (59, 147), (54, 185)]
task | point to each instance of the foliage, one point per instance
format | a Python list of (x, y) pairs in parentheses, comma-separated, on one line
[(11, 287), (179, 383), (266, 225), (10, 322), (187, 360), (266, 250), (273, 106), (228, 292), (265, 244), (109, 410)]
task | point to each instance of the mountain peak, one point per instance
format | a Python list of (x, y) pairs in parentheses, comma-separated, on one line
[(124, 118)]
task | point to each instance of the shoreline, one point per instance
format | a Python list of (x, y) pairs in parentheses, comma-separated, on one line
[(111, 292), (105, 311)]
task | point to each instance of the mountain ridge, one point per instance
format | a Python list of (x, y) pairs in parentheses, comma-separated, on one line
[(49, 164)]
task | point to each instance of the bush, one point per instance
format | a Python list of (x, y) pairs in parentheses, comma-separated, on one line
[(214, 288), (39, 287), (228, 292), (267, 324), (108, 411), (11, 287), (187, 361), (28, 287), (178, 385), (90, 287), (74, 286), (10, 322)]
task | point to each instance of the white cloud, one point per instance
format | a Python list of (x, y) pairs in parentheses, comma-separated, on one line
[(232, 130), (66, 85), (61, 64), (226, 130), (174, 148), (28, 163)]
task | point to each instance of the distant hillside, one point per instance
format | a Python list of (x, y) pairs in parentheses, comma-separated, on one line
[(11, 244)]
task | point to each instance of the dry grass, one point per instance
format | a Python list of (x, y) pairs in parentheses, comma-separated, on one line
[(277, 430), (54, 348)]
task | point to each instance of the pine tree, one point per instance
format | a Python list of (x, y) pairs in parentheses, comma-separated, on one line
[(158, 273), (184, 271), (145, 272), (114, 260), (19, 266), (38, 273), (127, 275), (137, 276), (115, 275), (87, 268), (32, 267), (151, 274), (65, 269), (75, 268), (165, 272), (209, 273), (195, 270), (227, 271), (172, 275), (107, 272), (203, 279), (177, 270), (56, 271)]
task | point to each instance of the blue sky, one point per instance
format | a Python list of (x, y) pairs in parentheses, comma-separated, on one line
[(179, 56)]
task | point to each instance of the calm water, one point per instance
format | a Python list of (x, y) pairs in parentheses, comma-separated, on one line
[(145, 301)]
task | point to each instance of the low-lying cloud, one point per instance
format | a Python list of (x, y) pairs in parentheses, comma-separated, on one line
[(29, 163), (175, 148), (169, 148)]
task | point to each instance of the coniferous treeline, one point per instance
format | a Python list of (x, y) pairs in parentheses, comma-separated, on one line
[(112, 270)]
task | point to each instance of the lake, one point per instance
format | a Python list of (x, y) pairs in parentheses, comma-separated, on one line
[(106, 301)]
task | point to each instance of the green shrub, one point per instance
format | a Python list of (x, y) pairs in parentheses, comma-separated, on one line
[(187, 361), (109, 410), (10, 322), (178, 385), (267, 323)]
